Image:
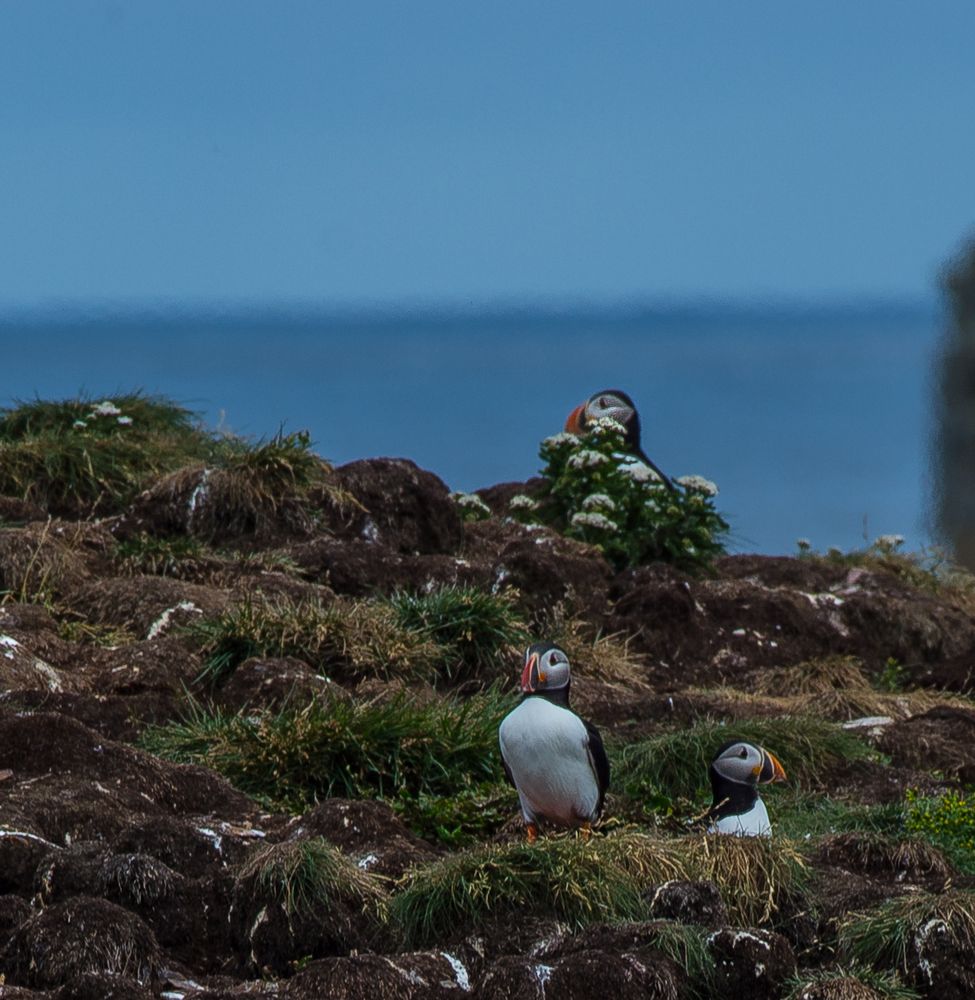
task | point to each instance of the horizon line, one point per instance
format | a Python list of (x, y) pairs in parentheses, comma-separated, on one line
[(305, 310)]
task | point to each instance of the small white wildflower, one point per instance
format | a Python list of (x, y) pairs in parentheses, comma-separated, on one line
[(522, 502), (586, 458), (699, 485), (470, 501), (124, 421), (606, 425), (889, 542), (559, 440), (639, 472), (598, 501), (106, 408), (80, 423), (803, 544), (594, 520)]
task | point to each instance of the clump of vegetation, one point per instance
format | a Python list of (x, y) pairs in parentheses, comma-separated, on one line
[(78, 456), (155, 556), (857, 982), (930, 569), (349, 638), (471, 507), (582, 881), (620, 505), (755, 875), (686, 946), (252, 489), (811, 814), (459, 820), (478, 634), (335, 746), (38, 561), (871, 850), (74, 629), (948, 821), (673, 765), (574, 880), (305, 877), (895, 934)]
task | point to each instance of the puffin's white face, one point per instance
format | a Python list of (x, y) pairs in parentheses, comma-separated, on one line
[(608, 405), (546, 668), (748, 765)]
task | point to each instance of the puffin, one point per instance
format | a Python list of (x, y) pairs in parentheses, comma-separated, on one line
[(555, 760), (614, 404), (736, 771)]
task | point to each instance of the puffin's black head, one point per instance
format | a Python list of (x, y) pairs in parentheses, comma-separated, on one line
[(610, 404), (745, 764), (735, 772), (546, 670)]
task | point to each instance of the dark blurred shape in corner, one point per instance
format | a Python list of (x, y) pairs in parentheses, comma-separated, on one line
[(956, 426)]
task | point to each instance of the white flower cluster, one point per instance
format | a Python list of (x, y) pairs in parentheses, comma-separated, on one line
[(559, 440), (470, 501), (888, 543), (639, 472), (106, 408), (522, 502), (606, 425), (598, 501), (586, 458), (698, 484), (593, 520)]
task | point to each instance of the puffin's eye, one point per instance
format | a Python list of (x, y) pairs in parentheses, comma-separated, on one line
[(602, 403), (743, 754)]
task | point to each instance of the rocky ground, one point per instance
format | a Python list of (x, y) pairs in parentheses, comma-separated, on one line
[(126, 874)]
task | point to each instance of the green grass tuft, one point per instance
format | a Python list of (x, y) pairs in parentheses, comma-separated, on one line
[(479, 634), (346, 639), (857, 982), (395, 747), (674, 765), (155, 556), (602, 879), (568, 878), (893, 934), (461, 819), (306, 876), (81, 456)]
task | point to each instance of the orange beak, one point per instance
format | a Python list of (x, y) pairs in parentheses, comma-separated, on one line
[(573, 423), (529, 676), (771, 769)]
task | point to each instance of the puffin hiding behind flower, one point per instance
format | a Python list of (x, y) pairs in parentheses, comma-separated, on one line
[(614, 404), (736, 771), (555, 760)]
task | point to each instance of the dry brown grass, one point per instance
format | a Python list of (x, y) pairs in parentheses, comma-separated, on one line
[(591, 653), (40, 561)]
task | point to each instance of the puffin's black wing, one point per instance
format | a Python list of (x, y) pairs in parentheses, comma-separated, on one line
[(599, 761)]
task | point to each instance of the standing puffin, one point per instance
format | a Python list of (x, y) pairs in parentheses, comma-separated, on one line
[(736, 771), (555, 760), (614, 404)]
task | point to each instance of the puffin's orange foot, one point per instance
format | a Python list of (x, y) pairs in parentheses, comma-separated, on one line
[(585, 831), (532, 832)]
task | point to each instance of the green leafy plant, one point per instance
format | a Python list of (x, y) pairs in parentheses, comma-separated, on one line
[(462, 819), (856, 982), (595, 494), (386, 748), (948, 821), (478, 634)]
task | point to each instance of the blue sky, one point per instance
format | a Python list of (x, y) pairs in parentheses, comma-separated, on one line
[(226, 151)]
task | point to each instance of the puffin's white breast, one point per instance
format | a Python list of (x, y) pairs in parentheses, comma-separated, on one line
[(545, 747), (754, 823)]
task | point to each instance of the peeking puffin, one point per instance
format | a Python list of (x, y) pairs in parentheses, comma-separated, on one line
[(554, 759), (736, 772), (614, 404)]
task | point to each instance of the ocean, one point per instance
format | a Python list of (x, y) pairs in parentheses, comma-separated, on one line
[(815, 423)]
